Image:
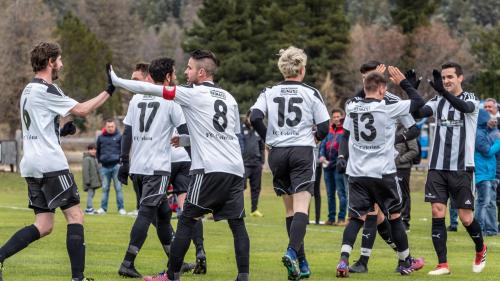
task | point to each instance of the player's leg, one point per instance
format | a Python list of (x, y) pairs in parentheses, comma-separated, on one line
[(367, 241), (404, 183), (255, 188), (317, 195), (241, 248), (201, 258), (75, 240), (163, 225)]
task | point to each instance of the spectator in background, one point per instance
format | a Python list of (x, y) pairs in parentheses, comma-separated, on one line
[(491, 106), (90, 175), (334, 180), (487, 145), (253, 158), (317, 187), (108, 155), (407, 151)]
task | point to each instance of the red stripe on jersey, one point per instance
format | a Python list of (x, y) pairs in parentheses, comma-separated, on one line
[(169, 92)]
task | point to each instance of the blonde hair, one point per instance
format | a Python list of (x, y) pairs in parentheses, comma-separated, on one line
[(291, 61)]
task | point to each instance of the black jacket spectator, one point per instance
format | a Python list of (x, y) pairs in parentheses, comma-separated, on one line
[(109, 148), (253, 151)]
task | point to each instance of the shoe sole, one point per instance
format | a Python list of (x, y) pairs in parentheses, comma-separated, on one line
[(292, 274), (126, 275), (201, 266), (305, 275), (342, 273)]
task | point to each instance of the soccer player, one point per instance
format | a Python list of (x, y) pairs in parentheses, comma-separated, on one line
[(369, 133), (292, 108), (50, 183), (376, 221), (149, 125), (451, 166), (217, 170)]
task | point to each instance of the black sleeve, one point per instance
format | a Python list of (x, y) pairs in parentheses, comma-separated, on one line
[(424, 111), (458, 104), (416, 100), (257, 120), (344, 145), (183, 130), (262, 149), (410, 134), (322, 130), (126, 144)]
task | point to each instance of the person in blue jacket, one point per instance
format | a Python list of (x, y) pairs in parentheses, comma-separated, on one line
[(487, 144)]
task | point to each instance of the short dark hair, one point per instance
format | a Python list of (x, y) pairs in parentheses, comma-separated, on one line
[(110, 120), (91, 146), (369, 66), (42, 53), (142, 67), (159, 68), (373, 81), (337, 110), (206, 60), (458, 68)]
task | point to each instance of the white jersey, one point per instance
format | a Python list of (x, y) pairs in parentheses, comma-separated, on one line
[(292, 108), (153, 121), (372, 127), (41, 105), (179, 154), (213, 121)]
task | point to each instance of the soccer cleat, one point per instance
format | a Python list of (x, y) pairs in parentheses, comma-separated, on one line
[(358, 267), (343, 269), (452, 228), (480, 261), (291, 263), (305, 271), (162, 276), (441, 269), (256, 214), (131, 272), (187, 267), (201, 263), (81, 279), (410, 265)]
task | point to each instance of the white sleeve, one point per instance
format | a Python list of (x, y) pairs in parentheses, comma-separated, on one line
[(177, 116), (261, 103), (128, 118), (407, 120), (237, 125), (348, 124), (399, 108), (432, 103), (58, 102), (183, 95), (320, 112), (138, 87)]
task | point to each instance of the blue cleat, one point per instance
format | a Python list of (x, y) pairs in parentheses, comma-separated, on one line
[(291, 263), (343, 269), (305, 272)]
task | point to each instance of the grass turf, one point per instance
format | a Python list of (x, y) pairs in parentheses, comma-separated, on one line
[(107, 238)]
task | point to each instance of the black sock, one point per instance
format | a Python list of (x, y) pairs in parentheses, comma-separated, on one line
[(138, 234), (198, 235), (180, 245), (474, 230), (398, 232), (163, 226), (75, 243), (301, 253), (298, 231), (368, 238), (349, 237), (20, 240), (241, 244), (384, 230), (439, 236)]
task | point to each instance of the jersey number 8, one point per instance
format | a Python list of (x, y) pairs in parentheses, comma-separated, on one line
[(220, 113)]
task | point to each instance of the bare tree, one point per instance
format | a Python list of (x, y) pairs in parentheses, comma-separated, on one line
[(22, 25)]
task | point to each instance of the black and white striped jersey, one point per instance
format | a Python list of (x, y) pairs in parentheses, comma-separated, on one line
[(455, 135)]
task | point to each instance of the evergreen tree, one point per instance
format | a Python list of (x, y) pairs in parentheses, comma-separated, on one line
[(84, 57), (411, 14), (487, 50), (247, 35)]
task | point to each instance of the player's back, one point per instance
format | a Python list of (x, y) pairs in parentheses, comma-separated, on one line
[(212, 117), (372, 126), (292, 109), (153, 121), (41, 105)]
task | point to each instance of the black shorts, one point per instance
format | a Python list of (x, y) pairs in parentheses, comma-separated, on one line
[(459, 185), (154, 188), (217, 193), (293, 169), (55, 190), (364, 192), (179, 177)]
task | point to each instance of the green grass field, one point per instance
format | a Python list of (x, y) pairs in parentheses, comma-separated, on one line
[(107, 238)]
